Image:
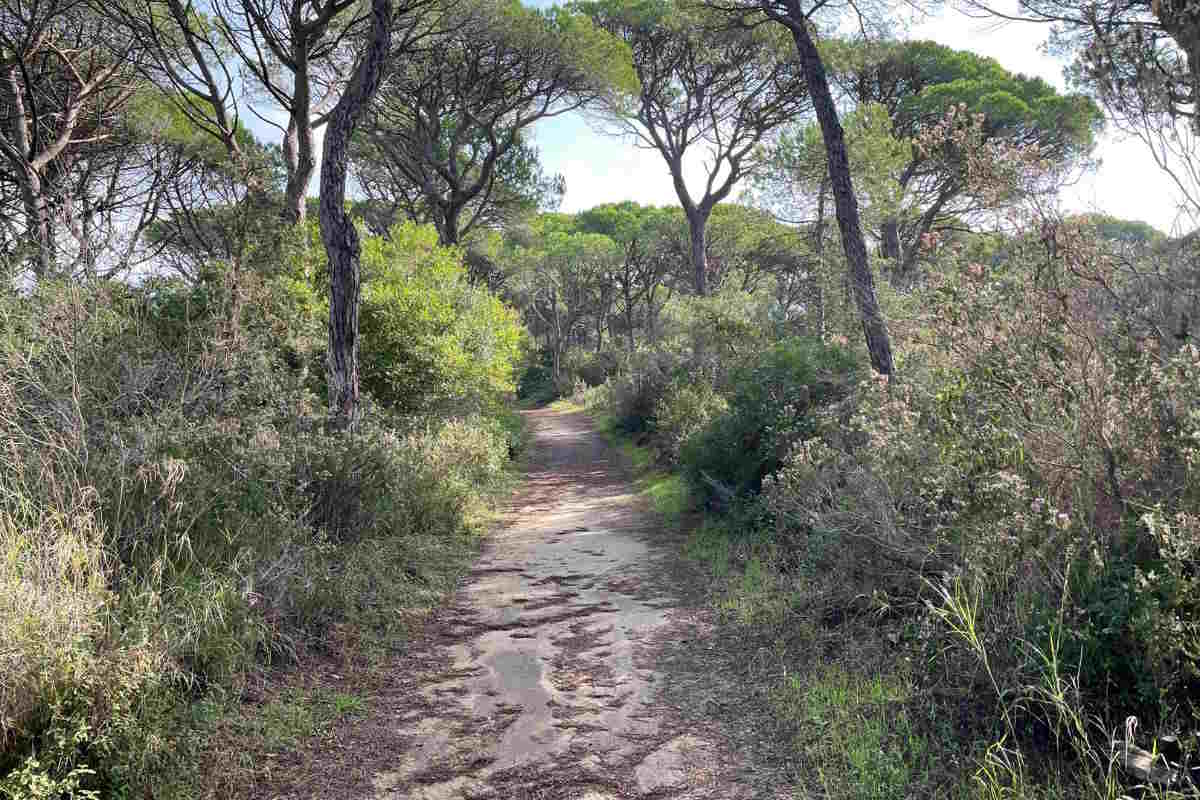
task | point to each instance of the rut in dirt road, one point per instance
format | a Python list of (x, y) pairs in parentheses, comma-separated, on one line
[(549, 683)]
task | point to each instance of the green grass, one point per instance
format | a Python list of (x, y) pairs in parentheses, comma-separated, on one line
[(669, 494), (565, 404), (286, 721), (856, 732), (849, 710)]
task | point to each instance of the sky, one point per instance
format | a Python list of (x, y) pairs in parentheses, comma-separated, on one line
[(600, 168)]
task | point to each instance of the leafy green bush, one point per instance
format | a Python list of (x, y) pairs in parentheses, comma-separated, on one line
[(771, 407), (430, 339), (634, 394), (1034, 475), (536, 383), (681, 413), (589, 366)]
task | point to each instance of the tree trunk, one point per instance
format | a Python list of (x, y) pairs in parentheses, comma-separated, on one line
[(298, 158), (448, 233), (846, 205), (337, 231), (697, 221), (298, 138), (818, 286), (910, 254), (625, 289), (891, 239), (38, 225)]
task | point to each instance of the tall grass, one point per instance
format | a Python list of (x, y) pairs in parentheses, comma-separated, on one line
[(174, 520)]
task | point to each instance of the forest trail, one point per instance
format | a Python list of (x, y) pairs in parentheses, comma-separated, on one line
[(543, 678)]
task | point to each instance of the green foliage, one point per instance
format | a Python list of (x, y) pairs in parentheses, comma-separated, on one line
[(633, 396), (682, 412), (918, 80), (174, 519), (772, 405), (536, 384), (430, 339), (871, 748)]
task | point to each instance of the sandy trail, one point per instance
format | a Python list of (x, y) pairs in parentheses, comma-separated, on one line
[(545, 673)]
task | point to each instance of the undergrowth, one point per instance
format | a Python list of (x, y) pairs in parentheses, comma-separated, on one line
[(985, 573), (177, 524)]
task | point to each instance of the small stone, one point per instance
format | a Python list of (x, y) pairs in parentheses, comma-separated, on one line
[(1144, 766), (673, 764)]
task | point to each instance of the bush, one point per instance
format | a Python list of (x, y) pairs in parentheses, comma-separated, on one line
[(536, 384), (634, 395), (589, 366), (430, 340), (1038, 460), (174, 519), (685, 410), (772, 406)]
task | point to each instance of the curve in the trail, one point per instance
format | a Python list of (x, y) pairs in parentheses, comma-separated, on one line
[(549, 682)]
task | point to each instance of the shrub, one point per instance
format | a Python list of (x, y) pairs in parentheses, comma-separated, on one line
[(174, 518), (430, 340), (772, 405), (681, 413), (1039, 459), (634, 394), (589, 366), (536, 384)]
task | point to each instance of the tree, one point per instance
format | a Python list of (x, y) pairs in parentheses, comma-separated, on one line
[(519, 187), (792, 15), (562, 280), (1141, 60), (188, 57), (449, 126), (218, 209), (706, 85), (290, 49), (296, 53), (915, 82), (338, 233), (909, 184), (646, 258), (65, 80)]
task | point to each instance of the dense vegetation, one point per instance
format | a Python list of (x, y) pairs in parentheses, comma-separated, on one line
[(940, 438), (177, 516)]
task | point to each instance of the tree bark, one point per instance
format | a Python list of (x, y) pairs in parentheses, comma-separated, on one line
[(818, 287), (298, 158), (448, 233), (38, 225), (337, 231), (891, 239), (846, 205), (697, 222), (298, 140)]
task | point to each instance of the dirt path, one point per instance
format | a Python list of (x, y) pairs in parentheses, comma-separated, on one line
[(543, 681)]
